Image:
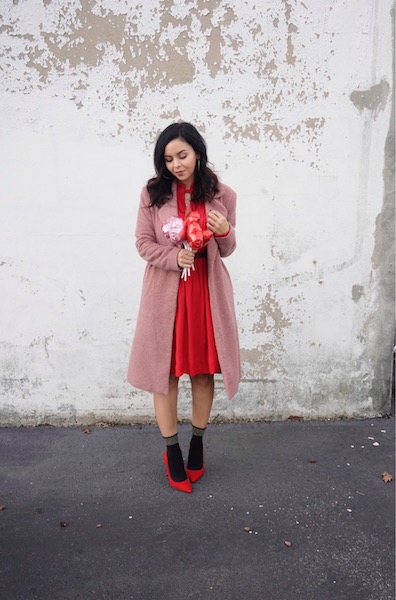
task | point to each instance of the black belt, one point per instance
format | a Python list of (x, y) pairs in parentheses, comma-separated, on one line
[(201, 254)]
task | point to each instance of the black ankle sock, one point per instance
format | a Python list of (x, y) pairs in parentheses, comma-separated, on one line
[(195, 454), (175, 462)]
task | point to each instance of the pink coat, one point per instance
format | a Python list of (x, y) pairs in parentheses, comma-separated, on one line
[(150, 359)]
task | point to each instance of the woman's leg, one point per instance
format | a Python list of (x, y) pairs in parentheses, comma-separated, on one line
[(166, 414), (202, 400), (202, 387), (165, 408)]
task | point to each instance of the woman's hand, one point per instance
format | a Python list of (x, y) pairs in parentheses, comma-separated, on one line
[(185, 259), (217, 223)]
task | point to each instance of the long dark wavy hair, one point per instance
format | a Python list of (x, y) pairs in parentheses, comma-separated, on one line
[(206, 183)]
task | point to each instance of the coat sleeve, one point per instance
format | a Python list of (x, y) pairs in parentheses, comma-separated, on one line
[(158, 255), (227, 244)]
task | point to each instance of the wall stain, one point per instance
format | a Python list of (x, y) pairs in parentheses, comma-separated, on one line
[(374, 99), (13, 384), (44, 341), (383, 262), (357, 292)]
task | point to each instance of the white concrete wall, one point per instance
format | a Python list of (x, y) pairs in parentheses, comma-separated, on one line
[(294, 99)]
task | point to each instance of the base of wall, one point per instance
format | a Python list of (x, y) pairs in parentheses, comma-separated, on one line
[(255, 401)]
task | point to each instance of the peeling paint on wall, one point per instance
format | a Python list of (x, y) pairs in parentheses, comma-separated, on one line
[(162, 47), (270, 316)]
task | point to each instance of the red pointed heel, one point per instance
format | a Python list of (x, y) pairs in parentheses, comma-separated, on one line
[(195, 474), (181, 486)]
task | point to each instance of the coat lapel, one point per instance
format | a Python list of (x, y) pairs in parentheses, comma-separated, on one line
[(216, 204)]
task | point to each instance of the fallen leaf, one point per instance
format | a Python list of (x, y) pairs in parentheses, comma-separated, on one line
[(288, 544), (387, 477), (2, 507), (247, 529), (63, 523), (86, 430), (312, 460), (295, 418)]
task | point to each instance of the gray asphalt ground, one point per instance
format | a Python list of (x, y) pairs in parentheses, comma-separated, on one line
[(157, 543)]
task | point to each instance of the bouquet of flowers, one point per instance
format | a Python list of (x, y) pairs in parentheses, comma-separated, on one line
[(189, 233)]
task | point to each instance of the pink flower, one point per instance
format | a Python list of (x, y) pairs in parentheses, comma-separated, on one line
[(174, 229)]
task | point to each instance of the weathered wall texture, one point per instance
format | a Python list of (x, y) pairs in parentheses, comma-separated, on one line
[(294, 99)]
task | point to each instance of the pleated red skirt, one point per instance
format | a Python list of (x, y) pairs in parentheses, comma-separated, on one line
[(194, 348)]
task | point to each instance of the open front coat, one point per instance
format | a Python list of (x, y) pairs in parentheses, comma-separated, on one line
[(149, 365)]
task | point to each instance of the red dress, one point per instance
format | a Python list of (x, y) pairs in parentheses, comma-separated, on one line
[(194, 348)]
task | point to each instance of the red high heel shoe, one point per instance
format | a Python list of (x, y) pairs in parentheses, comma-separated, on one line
[(195, 474), (182, 486)]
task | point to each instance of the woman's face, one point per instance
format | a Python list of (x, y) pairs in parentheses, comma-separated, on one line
[(180, 160)]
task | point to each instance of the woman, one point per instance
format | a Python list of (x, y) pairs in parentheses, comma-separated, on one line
[(184, 326)]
